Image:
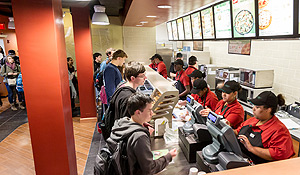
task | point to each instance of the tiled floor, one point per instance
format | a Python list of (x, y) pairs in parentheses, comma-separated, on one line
[(16, 153)]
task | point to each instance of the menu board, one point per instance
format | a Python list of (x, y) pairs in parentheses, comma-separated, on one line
[(187, 27), (239, 47), (174, 29), (196, 26), (243, 18), (223, 20), (169, 29), (275, 17), (180, 29), (208, 23)]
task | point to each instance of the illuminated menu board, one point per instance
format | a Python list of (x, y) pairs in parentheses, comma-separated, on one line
[(196, 26), (208, 23), (223, 20), (187, 27), (174, 29), (169, 28), (180, 29), (275, 17), (243, 12)]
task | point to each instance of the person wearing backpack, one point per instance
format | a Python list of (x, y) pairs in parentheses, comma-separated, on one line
[(135, 156), (135, 76)]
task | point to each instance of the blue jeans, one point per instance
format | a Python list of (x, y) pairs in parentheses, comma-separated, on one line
[(10, 94)]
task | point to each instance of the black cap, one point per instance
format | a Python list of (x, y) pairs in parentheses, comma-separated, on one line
[(230, 86), (178, 62), (192, 58), (11, 52), (198, 86), (151, 58), (196, 74), (267, 98)]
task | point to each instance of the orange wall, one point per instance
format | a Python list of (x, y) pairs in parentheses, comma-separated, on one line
[(10, 42)]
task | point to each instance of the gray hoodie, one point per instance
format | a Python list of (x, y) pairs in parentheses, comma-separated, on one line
[(140, 157)]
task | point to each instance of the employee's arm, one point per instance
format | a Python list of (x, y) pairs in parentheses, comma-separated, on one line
[(186, 92), (260, 152), (172, 75)]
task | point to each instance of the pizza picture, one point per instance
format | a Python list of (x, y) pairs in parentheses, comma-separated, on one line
[(265, 19), (243, 22), (246, 49), (262, 3)]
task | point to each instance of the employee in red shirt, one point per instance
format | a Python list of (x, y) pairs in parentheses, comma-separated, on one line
[(183, 81), (263, 137), (205, 96), (161, 67), (153, 65), (229, 107), (192, 65)]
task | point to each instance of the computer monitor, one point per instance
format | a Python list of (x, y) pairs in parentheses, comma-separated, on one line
[(194, 107), (223, 136)]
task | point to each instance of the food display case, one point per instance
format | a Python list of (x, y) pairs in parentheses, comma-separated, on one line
[(165, 95)]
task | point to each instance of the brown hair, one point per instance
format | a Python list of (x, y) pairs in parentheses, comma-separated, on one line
[(281, 102), (133, 69), (119, 53)]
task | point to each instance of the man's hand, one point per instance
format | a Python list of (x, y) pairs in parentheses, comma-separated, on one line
[(205, 112), (15, 73), (173, 152), (10, 73), (182, 102)]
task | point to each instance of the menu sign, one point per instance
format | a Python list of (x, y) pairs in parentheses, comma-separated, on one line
[(239, 47), (169, 28), (174, 29), (196, 26), (223, 20), (208, 23), (243, 18), (275, 17), (180, 29), (187, 27)]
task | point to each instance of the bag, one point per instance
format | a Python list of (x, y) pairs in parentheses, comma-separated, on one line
[(103, 96), (98, 79), (109, 116), (112, 159), (12, 81), (3, 89)]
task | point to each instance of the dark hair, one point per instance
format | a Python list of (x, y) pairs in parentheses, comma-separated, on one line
[(133, 69), (119, 53), (95, 55), (203, 75), (138, 101), (281, 102), (68, 58), (158, 57), (192, 60), (179, 55), (11, 52)]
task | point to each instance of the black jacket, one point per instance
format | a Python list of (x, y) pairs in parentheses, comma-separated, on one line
[(121, 109)]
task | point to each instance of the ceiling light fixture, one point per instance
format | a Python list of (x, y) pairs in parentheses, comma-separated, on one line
[(100, 17), (139, 25), (164, 6), (11, 23), (144, 22), (151, 16)]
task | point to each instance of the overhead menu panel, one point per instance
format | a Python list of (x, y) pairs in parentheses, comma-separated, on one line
[(187, 27), (180, 29), (223, 20), (169, 29), (196, 26), (208, 23), (174, 29)]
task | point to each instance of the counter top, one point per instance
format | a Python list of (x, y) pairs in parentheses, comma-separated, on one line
[(290, 166)]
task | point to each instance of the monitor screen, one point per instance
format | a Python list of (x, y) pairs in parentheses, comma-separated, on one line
[(188, 99), (196, 25), (187, 27), (212, 117), (223, 20), (169, 29), (243, 15), (208, 23), (180, 29), (174, 29)]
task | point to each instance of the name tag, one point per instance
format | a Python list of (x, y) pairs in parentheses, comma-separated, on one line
[(252, 135)]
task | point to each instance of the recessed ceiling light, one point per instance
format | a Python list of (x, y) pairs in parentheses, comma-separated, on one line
[(139, 25), (150, 16), (144, 22), (164, 6)]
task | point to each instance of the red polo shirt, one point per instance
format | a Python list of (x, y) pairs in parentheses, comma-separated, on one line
[(183, 78), (153, 66), (190, 69), (211, 100), (162, 69), (234, 112), (275, 136)]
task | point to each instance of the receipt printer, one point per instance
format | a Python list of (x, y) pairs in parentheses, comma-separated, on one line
[(229, 160), (201, 133)]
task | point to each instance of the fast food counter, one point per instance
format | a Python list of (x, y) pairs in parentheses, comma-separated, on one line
[(165, 95)]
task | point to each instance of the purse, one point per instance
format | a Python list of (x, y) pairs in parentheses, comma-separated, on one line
[(12, 82)]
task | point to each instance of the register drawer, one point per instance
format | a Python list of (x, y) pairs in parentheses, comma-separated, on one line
[(189, 145)]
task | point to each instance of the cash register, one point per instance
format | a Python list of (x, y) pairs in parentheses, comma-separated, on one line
[(224, 152), (193, 136)]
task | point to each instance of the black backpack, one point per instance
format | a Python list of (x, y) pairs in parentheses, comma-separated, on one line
[(112, 159), (109, 116), (98, 79)]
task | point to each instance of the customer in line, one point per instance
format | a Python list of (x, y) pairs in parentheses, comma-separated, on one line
[(263, 137), (229, 107), (112, 75), (109, 53), (140, 157), (97, 60)]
